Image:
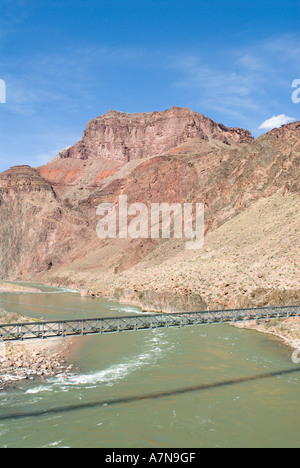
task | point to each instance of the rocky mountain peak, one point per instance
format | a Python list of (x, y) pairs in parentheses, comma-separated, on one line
[(120, 136)]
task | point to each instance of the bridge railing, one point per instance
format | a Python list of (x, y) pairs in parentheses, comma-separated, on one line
[(62, 328)]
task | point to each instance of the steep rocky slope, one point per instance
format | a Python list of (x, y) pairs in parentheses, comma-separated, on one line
[(250, 189), (123, 137), (117, 138), (37, 230)]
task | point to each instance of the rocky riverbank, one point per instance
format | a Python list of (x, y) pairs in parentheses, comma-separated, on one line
[(33, 359), (172, 301), (287, 330)]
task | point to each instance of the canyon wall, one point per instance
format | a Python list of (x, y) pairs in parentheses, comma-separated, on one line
[(49, 217), (123, 137)]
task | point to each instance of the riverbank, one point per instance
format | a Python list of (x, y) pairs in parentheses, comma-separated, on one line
[(42, 359), (13, 317), (6, 287), (172, 301), (139, 365), (33, 360), (288, 330)]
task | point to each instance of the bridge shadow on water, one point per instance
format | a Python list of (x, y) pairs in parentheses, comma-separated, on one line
[(150, 396)]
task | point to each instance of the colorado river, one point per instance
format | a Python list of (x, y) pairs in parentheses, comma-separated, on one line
[(201, 386)]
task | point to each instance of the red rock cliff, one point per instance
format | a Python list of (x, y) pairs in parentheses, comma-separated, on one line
[(123, 137)]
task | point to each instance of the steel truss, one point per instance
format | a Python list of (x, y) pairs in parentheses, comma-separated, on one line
[(64, 328)]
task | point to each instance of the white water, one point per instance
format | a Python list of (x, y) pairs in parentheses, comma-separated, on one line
[(149, 389)]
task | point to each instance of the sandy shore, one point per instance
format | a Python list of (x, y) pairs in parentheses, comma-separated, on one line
[(16, 288)]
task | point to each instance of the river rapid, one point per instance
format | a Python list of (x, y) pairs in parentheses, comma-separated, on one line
[(193, 387)]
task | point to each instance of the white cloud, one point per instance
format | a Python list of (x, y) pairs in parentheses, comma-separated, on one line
[(276, 121), (243, 84)]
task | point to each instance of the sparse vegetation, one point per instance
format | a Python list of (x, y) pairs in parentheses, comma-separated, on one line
[(13, 317), (9, 317)]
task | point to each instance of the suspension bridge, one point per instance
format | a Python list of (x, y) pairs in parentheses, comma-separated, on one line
[(144, 321)]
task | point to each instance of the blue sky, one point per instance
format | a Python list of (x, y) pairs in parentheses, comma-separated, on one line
[(66, 62)]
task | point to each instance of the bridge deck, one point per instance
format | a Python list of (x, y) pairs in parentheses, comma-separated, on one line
[(63, 328)]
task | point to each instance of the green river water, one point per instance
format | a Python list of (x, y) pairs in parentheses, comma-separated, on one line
[(194, 387)]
